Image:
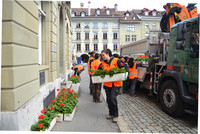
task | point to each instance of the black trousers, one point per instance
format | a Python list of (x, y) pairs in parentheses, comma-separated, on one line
[(111, 98), (133, 83), (91, 85)]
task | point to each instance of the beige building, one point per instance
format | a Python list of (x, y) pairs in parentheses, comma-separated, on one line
[(137, 24), (36, 51)]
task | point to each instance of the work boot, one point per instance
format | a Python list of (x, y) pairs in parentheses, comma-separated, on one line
[(115, 119), (109, 117)]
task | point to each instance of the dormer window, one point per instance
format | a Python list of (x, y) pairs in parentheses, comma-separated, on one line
[(127, 14), (82, 14), (107, 11), (154, 13), (146, 13), (125, 18), (73, 14), (133, 18), (98, 11)]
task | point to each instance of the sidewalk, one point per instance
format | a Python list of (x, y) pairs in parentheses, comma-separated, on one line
[(89, 116)]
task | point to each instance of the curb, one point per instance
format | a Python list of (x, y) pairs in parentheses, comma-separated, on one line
[(121, 123)]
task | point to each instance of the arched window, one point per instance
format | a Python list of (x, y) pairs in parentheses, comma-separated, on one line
[(82, 14)]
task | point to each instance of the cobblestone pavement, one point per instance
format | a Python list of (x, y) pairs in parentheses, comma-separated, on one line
[(142, 114)]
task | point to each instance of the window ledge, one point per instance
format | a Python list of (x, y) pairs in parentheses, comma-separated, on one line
[(43, 67)]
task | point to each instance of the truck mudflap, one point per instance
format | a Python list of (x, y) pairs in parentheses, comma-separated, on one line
[(183, 88)]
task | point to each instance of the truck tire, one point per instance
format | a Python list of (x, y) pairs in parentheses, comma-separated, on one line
[(171, 99)]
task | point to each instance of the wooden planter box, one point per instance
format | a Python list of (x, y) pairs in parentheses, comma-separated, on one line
[(69, 117), (59, 117), (75, 87), (107, 78), (53, 122)]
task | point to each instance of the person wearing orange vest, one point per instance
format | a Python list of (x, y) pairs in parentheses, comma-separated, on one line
[(133, 75), (91, 59), (111, 88), (78, 69), (97, 86)]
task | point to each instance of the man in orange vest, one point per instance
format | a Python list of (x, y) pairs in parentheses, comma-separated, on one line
[(97, 86), (111, 88), (133, 75), (91, 59), (78, 69)]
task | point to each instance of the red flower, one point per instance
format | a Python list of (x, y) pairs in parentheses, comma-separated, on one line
[(129, 55), (77, 100), (68, 89), (62, 104), (78, 78), (41, 117), (65, 95), (63, 88), (52, 108), (42, 111), (115, 64), (74, 96), (63, 99), (40, 126), (58, 89), (101, 65), (121, 64), (60, 99)]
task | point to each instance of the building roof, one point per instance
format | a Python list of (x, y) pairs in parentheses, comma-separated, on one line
[(134, 15)]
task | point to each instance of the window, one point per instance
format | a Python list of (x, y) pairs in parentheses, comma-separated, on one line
[(115, 46), (193, 39), (87, 24), (125, 18), (154, 26), (133, 37), (105, 46), (82, 14), (105, 25), (73, 14), (154, 37), (154, 13), (105, 36), (86, 36), (127, 14), (98, 11), (78, 47), (95, 47), (146, 36), (87, 47), (133, 18), (78, 36), (115, 25), (146, 13), (127, 38), (95, 35), (146, 25), (78, 25), (95, 25), (108, 12), (115, 36), (130, 27)]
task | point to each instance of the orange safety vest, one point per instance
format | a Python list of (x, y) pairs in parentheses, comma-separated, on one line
[(133, 72), (95, 65), (79, 67), (107, 67), (89, 66)]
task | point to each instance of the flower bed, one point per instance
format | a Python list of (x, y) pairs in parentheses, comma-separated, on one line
[(69, 117), (64, 103), (75, 79)]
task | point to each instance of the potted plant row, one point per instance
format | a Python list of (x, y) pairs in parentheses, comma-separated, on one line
[(63, 106), (75, 82), (114, 74)]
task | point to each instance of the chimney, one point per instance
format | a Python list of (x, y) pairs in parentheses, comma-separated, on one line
[(104, 7), (82, 4), (89, 8), (116, 7)]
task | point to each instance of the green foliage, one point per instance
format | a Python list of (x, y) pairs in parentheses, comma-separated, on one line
[(112, 71), (74, 79)]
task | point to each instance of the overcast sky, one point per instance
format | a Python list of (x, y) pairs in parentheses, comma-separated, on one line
[(124, 5)]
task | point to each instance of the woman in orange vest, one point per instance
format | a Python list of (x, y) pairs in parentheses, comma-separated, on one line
[(111, 88), (91, 59), (78, 69), (133, 75), (97, 86)]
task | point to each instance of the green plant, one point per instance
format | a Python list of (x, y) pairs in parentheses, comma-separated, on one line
[(112, 71), (75, 79)]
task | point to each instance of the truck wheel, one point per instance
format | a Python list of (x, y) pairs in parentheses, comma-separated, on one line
[(170, 99)]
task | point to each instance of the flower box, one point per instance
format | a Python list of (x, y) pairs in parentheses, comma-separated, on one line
[(69, 117), (59, 117), (107, 78), (75, 87), (53, 122)]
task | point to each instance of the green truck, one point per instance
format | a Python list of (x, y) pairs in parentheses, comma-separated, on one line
[(173, 68)]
